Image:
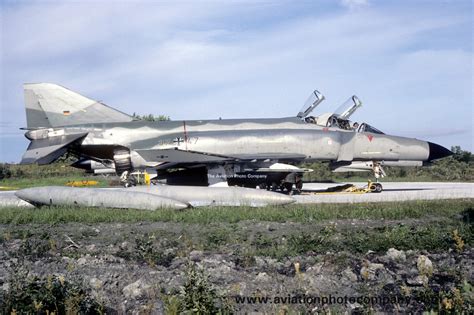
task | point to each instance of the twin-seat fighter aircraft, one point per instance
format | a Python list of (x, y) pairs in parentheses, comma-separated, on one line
[(259, 152)]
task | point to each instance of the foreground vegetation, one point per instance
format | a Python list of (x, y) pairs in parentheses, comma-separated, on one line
[(247, 241), (205, 215), (327, 227)]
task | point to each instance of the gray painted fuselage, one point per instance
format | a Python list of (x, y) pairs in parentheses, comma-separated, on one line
[(248, 137)]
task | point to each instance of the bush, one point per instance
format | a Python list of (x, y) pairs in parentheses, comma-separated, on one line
[(197, 296), (5, 171), (34, 171), (48, 295), (145, 251)]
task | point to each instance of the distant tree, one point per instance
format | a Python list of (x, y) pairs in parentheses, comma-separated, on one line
[(5, 171), (461, 155), (163, 118), (151, 117)]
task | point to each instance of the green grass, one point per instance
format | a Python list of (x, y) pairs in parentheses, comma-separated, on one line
[(362, 239), (19, 183), (292, 213), (422, 225)]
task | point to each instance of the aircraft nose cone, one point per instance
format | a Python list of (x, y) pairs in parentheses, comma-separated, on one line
[(438, 152)]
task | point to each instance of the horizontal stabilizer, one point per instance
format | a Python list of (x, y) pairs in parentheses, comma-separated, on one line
[(45, 151)]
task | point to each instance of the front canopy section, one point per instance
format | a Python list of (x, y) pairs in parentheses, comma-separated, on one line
[(340, 118), (348, 108), (313, 100)]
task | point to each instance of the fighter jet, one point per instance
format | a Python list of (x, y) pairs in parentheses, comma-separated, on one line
[(259, 152)]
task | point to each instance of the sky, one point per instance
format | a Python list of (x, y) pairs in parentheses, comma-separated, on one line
[(409, 62)]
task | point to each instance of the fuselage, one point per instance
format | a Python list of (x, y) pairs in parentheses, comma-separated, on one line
[(237, 137)]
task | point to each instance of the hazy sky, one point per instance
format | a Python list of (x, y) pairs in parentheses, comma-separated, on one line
[(410, 62)]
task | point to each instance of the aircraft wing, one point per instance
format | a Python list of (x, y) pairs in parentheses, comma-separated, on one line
[(283, 157), (180, 156), (176, 156)]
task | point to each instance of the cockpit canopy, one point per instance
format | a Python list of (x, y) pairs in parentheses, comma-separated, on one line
[(348, 108), (339, 118), (313, 100)]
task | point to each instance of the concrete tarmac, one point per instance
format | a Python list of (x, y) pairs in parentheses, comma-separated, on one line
[(401, 191), (392, 191)]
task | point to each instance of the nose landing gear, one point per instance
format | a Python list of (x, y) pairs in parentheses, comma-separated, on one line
[(375, 187), (378, 173)]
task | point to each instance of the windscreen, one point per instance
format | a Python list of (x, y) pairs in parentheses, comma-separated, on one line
[(368, 128)]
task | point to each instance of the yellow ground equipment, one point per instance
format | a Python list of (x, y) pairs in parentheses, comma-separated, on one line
[(141, 178), (353, 189), (4, 188), (82, 183)]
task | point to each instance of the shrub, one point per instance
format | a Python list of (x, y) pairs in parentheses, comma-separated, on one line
[(47, 295)]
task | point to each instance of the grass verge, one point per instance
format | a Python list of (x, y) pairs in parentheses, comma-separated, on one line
[(205, 215), (20, 183)]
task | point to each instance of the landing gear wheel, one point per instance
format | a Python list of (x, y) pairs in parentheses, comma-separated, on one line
[(299, 186), (377, 188), (287, 188), (132, 181), (274, 187)]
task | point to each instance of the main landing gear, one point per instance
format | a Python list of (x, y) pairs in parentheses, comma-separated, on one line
[(286, 185)]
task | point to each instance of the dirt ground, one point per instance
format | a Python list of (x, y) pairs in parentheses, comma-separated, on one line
[(252, 266)]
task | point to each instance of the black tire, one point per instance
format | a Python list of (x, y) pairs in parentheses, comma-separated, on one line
[(378, 188), (299, 185), (288, 187), (132, 181)]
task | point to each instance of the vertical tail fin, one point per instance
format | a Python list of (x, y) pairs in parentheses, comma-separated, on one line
[(50, 105)]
